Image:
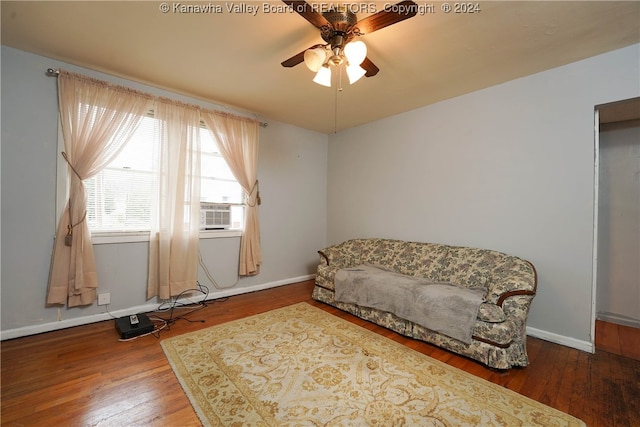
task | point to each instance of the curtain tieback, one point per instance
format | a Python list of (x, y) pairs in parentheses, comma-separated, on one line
[(66, 158), (69, 237), (255, 189)]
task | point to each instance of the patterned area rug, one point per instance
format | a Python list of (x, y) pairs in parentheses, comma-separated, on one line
[(301, 366)]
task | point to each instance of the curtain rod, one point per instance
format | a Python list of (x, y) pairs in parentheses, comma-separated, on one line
[(52, 72)]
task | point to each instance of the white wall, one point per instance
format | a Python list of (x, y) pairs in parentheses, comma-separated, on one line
[(509, 168), (619, 224), (292, 172)]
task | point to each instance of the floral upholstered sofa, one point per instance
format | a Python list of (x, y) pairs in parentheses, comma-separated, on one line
[(499, 333)]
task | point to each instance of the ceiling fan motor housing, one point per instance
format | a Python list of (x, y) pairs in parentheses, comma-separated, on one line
[(339, 32)]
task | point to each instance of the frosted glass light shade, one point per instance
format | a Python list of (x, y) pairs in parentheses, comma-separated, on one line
[(355, 52), (314, 58), (323, 77), (355, 72)]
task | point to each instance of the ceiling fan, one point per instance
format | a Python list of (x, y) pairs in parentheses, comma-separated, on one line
[(339, 27)]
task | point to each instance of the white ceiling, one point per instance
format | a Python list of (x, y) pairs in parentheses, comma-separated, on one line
[(233, 58)]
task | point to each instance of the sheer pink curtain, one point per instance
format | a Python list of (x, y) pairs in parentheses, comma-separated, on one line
[(238, 141), (175, 218), (97, 120)]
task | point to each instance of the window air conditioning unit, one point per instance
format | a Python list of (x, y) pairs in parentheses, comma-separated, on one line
[(215, 216)]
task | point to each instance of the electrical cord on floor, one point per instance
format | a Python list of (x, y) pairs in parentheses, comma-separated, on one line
[(161, 323), (177, 304), (210, 277)]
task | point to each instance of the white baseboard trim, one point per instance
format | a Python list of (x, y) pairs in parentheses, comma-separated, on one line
[(618, 319), (85, 320), (561, 339)]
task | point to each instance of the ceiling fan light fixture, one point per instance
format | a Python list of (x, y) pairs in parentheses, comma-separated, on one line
[(323, 77), (314, 58), (355, 52), (355, 73)]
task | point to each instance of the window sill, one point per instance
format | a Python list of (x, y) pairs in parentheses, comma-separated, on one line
[(219, 234), (143, 236)]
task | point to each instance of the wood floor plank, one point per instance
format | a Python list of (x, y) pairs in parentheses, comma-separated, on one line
[(579, 389), (618, 339), (631, 390), (563, 380), (629, 339), (85, 376), (607, 337)]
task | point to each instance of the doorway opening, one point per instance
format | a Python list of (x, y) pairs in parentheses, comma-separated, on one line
[(616, 291)]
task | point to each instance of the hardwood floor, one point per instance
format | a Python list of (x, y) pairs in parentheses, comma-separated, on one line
[(84, 376), (618, 339)]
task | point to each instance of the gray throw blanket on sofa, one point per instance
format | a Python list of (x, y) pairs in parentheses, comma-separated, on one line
[(442, 307)]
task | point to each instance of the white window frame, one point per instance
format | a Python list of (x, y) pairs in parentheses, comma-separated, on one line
[(99, 238)]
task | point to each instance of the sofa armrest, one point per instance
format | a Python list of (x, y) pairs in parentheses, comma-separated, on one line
[(335, 260), (332, 259), (324, 258), (342, 255), (509, 294), (516, 307), (513, 278)]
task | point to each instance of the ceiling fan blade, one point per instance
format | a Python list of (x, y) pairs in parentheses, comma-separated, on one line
[(371, 68), (298, 58), (384, 18), (305, 10), (294, 60)]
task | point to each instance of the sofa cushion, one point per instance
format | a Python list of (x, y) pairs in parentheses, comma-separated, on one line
[(381, 252), (469, 267), (419, 259)]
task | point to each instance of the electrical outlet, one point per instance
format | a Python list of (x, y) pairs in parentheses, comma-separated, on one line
[(104, 299)]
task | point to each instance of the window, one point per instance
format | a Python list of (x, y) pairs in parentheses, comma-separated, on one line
[(119, 197), (218, 184)]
